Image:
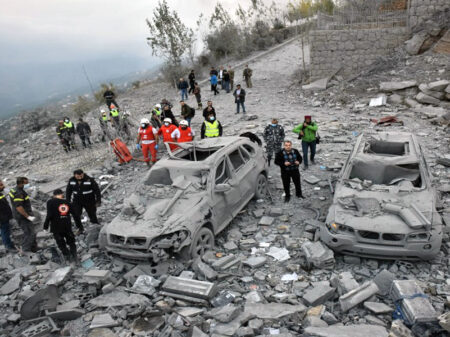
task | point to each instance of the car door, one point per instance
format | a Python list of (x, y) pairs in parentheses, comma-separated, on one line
[(221, 200), (243, 167)]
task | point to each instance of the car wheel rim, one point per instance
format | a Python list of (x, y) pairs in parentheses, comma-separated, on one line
[(261, 185), (203, 244)]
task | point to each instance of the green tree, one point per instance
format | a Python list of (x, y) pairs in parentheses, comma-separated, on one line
[(169, 37)]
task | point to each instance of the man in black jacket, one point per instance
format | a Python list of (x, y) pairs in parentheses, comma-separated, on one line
[(289, 160), (59, 211), (84, 132), (167, 113), (208, 110), (239, 98), (5, 216), (86, 194), (110, 98), (191, 78), (183, 86)]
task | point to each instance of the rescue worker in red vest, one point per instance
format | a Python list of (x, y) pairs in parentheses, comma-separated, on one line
[(183, 133), (166, 132), (114, 112), (59, 211), (211, 127), (148, 136), (86, 194)]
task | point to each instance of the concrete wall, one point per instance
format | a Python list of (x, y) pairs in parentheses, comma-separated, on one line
[(421, 10), (352, 50)]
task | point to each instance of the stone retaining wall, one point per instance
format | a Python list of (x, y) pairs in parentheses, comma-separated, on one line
[(421, 10), (352, 50)]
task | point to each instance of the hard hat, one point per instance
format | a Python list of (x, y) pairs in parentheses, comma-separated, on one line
[(168, 120), (145, 121), (158, 106), (102, 111), (184, 122)]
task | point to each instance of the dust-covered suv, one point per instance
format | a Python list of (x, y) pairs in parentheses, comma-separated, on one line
[(188, 198), (384, 205)]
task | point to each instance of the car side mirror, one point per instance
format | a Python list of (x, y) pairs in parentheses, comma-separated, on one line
[(221, 188)]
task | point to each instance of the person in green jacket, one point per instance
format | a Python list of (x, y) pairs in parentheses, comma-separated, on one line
[(307, 133)]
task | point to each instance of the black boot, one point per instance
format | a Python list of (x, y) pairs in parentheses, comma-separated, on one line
[(287, 198)]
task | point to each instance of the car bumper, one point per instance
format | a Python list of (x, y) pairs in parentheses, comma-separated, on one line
[(129, 254), (406, 251)]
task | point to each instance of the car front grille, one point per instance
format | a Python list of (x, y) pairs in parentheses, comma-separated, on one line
[(135, 242), (391, 239)]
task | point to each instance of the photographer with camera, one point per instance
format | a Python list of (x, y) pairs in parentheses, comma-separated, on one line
[(307, 132)]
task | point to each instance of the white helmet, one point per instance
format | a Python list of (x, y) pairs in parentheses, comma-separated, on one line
[(168, 120), (145, 121), (102, 110), (158, 106), (184, 122)]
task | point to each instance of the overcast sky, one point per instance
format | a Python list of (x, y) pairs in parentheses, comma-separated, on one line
[(55, 30)]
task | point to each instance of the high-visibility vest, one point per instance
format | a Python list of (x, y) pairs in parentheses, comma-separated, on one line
[(104, 118), (114, 113), (158, 112), (68, 125), (212, 129), (185, 135)]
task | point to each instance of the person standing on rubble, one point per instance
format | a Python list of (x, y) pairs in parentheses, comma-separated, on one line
[(70, 133), (110, 98), (187, 112), (183, 87), (84, 132), (231, 73), (5, 215), (148, 136), (307, 132), (61, 132), (103, 119), (114, 113), (289, 160), (167, 113), (274, 137), (166, 133), (198, 96), (23, 213), (86, 194), (239, 98), (247, 74), (191, 78), (183, 133), (211, 127), (59, 211), (209, 109), (214, 82), (125, 125)]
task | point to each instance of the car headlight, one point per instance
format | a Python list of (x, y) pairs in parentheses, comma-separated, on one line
[(336, 228), (173, 240), (418, 237)]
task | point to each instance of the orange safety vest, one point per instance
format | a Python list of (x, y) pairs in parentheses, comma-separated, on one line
[(166, 132), (185, 135), (147, 133)]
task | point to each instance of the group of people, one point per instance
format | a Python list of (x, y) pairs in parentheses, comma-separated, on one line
[(163, 125), (82, 192), (66, 131)]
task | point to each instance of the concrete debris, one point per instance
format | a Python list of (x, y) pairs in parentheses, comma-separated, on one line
[(119, 298), (59, 276), (319, 294), (444, 321), (279, 254), (344, 282), (266, 221), (272, 310), (362, 330), (175, 286), (103, 321), (398, 329), (358, 295), (310, 179), (399, 85), (378, 308), (413, 45), (317, 85), (414, 304), (426, 99), (224, 314), (379, 101), (203, 270), (226, 262), (318, 255), (255, 261), (384, 280), (12, 285), (145, 285)]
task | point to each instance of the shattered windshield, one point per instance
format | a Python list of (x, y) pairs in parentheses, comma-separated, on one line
[(179, 177)]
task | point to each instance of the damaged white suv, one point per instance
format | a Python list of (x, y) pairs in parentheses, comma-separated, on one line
[(188, 198), (384, 205)]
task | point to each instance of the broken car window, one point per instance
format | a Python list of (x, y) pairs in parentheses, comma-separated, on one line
[(236, 159), (244, 154), (222, 173)]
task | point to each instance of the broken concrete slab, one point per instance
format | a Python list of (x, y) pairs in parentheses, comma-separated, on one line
[(398, 329), (318, 255), (203, 270), (255, 261), (319, 294), (66, 315), (272, 310), (310, 179), (266, 221), (414, 303), (413, 45), (361, 330), (378, 308), (224, 314), (320, 84), (103, 321), (397, 85), (344, 282), (101, 332), (59, 276), (119, 298), (438, 85), (378, 101), (426, 99), (12, 285), (384, 280), (191, 288), (358, 295), (97, 274), (444, 321), (279, 254), (426, 90), (226, 262)]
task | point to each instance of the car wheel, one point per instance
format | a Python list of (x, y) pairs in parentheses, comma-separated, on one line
[(261, 186), (203, 241)]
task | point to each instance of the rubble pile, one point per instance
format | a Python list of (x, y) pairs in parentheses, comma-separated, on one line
[(268, 273)]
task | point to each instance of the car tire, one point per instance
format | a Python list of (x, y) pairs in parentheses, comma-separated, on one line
[(202, 242), (261, 186)]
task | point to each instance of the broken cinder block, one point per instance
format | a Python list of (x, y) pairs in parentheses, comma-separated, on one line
[(358, 295)]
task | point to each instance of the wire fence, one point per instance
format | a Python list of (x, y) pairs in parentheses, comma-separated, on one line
[(358, 14)]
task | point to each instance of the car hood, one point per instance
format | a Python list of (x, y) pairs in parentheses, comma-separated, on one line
[(151, 223), (370, 214)]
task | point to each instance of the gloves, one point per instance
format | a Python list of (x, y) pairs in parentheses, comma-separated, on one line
[(138, 146), (156, 147), (31, 218)]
